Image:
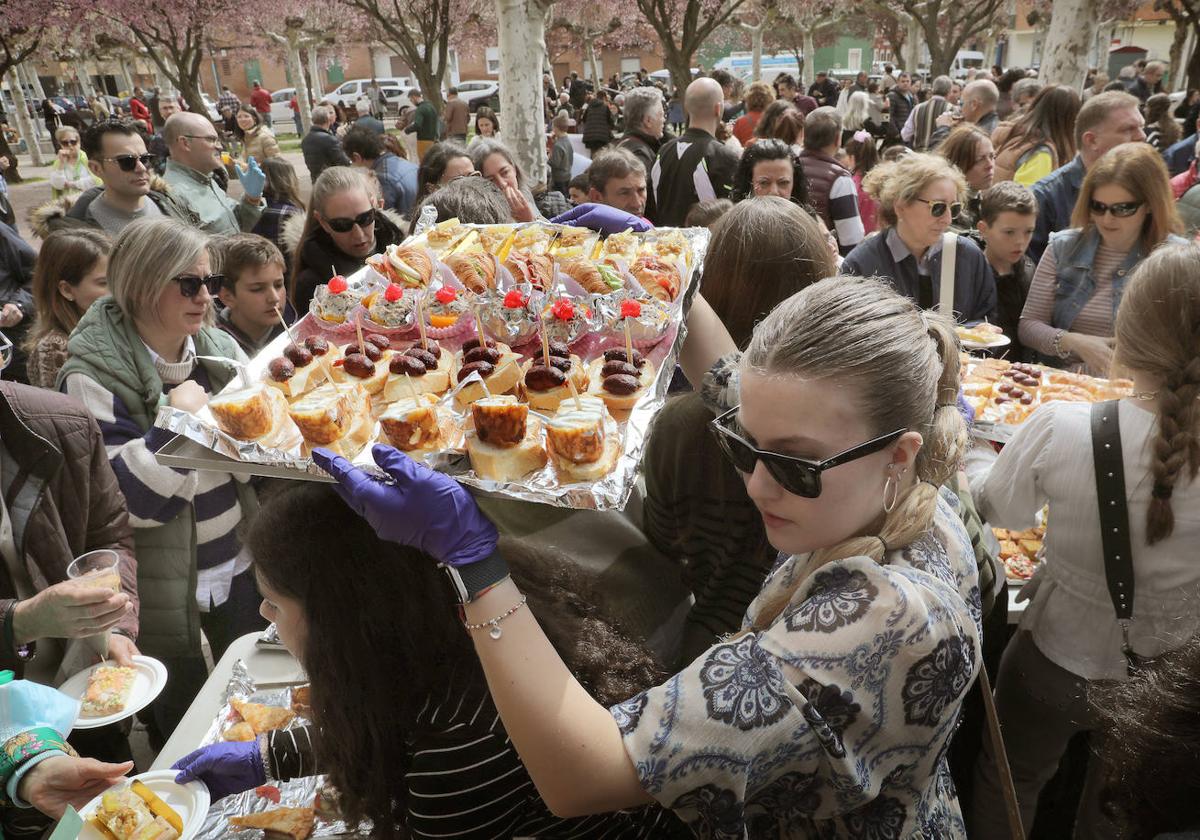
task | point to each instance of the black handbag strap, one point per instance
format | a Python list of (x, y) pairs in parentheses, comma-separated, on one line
[(1114, 513)]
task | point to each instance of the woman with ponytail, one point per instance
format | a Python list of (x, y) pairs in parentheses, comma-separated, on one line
[(829, 714), (1069, 637)]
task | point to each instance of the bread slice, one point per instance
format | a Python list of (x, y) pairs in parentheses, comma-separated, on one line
[(293, 823), (436, 381), (505, 377), (107, 692), (308, 377), (619, 402), (549, 400), (509, 463), (373, 383)]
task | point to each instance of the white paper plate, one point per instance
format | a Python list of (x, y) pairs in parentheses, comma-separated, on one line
[(190, 801), (150, 680), (1000, 340)]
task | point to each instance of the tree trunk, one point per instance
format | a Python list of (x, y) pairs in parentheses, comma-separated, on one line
[(316, 83), (521, 28), (756, 48), (810, 55), (23, 78), (589, 54), (296, 68), (941, 56), (189, 89), (912, 45), (1072, 27), (126, 76), (24, 124), (1182, 33), (1193, 67), (680, 66)]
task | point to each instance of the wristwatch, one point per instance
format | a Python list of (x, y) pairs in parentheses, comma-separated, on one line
[(470, 580)]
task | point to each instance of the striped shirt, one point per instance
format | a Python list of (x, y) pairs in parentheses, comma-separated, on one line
[(464, 779), (1037, 328), (156, 494)]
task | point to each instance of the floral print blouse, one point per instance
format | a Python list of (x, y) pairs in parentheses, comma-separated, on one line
[(835, 721)]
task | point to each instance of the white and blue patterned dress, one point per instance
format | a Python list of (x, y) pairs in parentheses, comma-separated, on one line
[(835, 721)]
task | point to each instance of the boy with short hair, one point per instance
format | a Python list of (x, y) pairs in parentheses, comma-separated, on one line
[(254, 291), (1007, 217), (577, 189)]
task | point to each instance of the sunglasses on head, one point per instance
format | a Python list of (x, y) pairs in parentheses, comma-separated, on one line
[(128, 163), (189, 284), (1122, 209), (365, 219), (798, 476), (937, 209)]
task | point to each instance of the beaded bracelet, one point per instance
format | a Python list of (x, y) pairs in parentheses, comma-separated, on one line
[(494, 623)]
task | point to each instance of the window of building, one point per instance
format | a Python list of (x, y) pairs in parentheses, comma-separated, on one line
[(493, 60), (630, 65), (854, 59)]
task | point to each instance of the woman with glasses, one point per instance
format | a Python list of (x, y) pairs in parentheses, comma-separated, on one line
[(919, 196), (69, 174), (152, 344), (1125, 209), (970, 152), (830, 712), (343, 226)]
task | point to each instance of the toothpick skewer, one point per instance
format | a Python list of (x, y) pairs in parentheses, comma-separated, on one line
[(291, 335), (358, 328), (628, 342), (412, 389), (545, 348), (421, 321), (574, 394), (479, 326)]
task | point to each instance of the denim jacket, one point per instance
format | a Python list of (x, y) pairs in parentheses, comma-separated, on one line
[(1074, 253)]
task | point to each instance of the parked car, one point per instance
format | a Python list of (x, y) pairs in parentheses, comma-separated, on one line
[(477, 92), (395, 89), (281, 111), (210, 107)]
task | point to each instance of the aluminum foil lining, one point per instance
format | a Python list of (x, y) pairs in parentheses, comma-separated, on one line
[(298, 793), (609, 493)]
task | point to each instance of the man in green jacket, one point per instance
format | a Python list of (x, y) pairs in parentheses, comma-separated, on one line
[(424, 123), (195, 152)]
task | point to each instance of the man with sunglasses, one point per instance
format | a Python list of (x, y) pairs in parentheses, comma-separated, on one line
[(195, 152), (117, 156)]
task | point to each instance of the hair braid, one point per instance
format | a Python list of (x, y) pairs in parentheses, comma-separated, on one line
[(1175, 447)]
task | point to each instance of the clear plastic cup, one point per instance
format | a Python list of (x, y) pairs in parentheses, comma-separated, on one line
[(100, 569)]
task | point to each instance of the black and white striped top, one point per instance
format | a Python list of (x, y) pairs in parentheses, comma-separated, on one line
[(465, 780)]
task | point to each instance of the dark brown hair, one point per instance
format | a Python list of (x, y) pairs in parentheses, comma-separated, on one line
[(1137, 168), (244, 251), (282, 184), (762, 252), (1158, 334), (1050, 119), (378, 613), (65, 255), (1004, 197), (962, 145)]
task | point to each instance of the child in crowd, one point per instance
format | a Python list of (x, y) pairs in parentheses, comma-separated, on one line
[(562, 154), (253, 291), (69, 274), (863, 155), (707, 213), (577, 189), (1007, 215)]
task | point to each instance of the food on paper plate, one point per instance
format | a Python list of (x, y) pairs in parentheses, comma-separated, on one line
[(334, 416), (107, 691), (595, 278), (658, 277), (392, 308), (499, 367), (240, 731), (406, 265), (127, 814), (1020, 551), (983, 333), (619, 382), (334, 301), (474, 269), (425, 371), (252, 413), (263, 718), (547, 386), (579, 446), (279, 823), (506, 444), (535, 269)]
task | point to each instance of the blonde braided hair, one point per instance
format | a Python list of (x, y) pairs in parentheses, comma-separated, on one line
[(903, 366), (1158, 334)]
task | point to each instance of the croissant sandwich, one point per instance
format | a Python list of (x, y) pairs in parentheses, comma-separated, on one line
[(599, 279), (476, 271)]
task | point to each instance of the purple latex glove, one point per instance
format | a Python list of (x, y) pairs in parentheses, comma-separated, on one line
[(422, 508), (603, 218), (225, 768)]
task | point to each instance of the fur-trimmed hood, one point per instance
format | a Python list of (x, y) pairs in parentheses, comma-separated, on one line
[(55, 213), (293, 229)]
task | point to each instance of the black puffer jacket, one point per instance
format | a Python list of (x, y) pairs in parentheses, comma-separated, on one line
[(315, 255), (597, 124)]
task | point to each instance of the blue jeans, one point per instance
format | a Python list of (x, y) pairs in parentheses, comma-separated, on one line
[(299, 127)]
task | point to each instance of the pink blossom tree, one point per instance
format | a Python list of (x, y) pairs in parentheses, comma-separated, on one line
[(682, 26), (591, 28)]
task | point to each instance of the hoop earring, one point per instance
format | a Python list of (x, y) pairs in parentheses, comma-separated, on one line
[(891, 486)]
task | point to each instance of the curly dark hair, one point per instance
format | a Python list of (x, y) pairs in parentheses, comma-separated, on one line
[(380, 613), (763, 149), (1151, 728)]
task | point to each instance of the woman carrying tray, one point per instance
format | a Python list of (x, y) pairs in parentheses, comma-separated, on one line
[(148, 345), (830, 713), (1072, 635)]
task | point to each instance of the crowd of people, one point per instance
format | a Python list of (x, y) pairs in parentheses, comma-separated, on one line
[(814, 481)]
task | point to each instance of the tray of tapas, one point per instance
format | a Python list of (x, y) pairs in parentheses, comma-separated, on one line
[(527, 361)]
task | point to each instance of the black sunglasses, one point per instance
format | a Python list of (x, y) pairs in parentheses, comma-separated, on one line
[(68, 142), (365, 219), (128, 163), (798, 476), (939, 208), (1122, 210), (189, 284)]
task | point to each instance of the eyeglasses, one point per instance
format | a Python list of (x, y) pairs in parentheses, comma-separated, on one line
[(1121, 210), (937, 209), (189, 284), (798, 476), (364, 219), (211, 138), (472, 174), (128, 163), (69, 142)]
